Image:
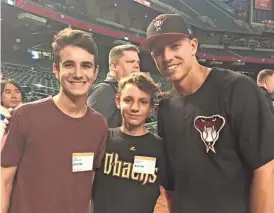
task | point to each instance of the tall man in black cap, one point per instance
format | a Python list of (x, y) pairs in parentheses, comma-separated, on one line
[(216, 126)]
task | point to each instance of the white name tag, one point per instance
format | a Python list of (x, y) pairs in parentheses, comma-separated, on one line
[(144, 165), (82, 161)]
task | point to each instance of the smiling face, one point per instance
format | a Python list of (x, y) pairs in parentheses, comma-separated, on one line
[(77, 71), (135, 106), (174, 56)]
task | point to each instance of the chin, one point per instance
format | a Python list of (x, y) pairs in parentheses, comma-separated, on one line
[(173, 79), (132, 123), (13, 106), (76, 93), (135, 123)]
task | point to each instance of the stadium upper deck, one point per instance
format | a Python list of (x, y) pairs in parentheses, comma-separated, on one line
[(28, 42)]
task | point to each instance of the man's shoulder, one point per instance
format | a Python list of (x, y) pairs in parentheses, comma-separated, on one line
[(102, 86), (154, 143), (107, 84), (220, 79), (101, 90), (234, 87), (172, 96), (33, 106), (155, 137), (94, 115), (226, 77)]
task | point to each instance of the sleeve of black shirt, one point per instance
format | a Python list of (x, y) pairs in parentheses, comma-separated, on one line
[(166, 174), (252, 122), (102, 99)]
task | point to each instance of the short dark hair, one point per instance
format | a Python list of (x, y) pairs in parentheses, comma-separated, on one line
[(119, 42), (143, 81), (263, 74), (118, 51), (76, 38), (14, 83)]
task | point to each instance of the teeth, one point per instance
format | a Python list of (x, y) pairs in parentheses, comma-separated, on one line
[(77, 82), (172, 67)]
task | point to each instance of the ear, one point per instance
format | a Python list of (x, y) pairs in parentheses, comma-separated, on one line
[(56, 71), (266, 81), (194, 46), (117, 100), (113, 66), (96, 71)]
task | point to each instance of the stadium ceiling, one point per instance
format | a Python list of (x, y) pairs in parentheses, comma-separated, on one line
[(28, 32)]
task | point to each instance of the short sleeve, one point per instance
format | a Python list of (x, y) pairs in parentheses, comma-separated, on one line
[(166, 174), (252, 121), (14, 140), (102, 99), (102, 147)]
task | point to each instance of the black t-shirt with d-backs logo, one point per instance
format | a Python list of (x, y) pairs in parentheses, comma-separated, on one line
[(118, 187), (215, 138)]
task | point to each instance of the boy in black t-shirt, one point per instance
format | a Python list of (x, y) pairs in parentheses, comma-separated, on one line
[(134, 166)]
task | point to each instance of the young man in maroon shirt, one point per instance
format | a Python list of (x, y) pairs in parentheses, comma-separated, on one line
[(53, 145)]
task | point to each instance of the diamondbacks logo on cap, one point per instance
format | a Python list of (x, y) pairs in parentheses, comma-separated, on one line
[(209, 129), (158, 22), (132, 148)]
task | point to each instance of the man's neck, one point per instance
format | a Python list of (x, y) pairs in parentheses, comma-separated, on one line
[(193, 81), (76, 108), (263, 87), (133, 131), (112, 74)]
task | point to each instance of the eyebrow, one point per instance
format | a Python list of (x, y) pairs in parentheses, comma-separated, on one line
[(67, 62), (142, 99), (83, 63), (88, 63), (131, 60)]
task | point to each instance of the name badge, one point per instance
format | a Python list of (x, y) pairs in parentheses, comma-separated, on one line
[(82, 162), (144, 165)]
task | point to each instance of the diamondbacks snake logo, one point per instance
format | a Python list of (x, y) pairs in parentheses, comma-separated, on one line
[(209, 129), (158, 22)]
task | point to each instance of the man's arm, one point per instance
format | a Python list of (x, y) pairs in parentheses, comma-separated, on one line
[(102, 147), (166, 173), (163, 202), (262, 191), (171, 201), (252, 122), (102, 99), (7, 177), (11, 154)]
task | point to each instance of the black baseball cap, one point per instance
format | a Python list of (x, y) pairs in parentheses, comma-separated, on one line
[(166, 25)]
